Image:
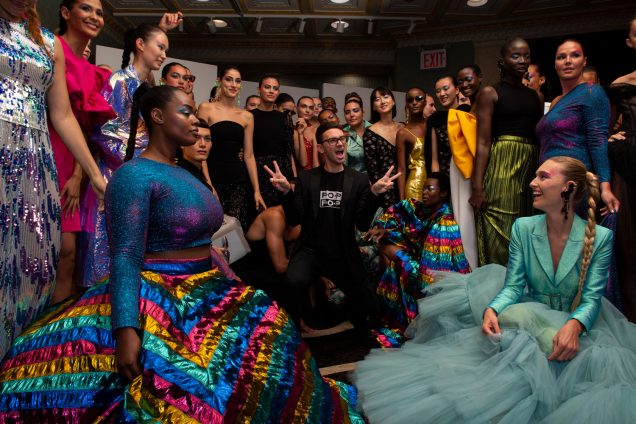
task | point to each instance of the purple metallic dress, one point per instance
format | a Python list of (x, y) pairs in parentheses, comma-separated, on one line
[(29, 197), (110, 142)]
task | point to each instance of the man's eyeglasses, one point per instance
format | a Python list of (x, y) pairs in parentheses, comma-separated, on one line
[(333, 140), (416, 98), (430, 188)]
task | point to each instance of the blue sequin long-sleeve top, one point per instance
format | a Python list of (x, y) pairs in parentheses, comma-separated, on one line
[(152, 207), (577, 126)]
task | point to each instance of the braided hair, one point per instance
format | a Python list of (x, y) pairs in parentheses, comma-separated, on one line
[(33, 28), (586, 183), (145, 99), (143, 31)]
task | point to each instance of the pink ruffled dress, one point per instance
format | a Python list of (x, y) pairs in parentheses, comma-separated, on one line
[(85, 83)]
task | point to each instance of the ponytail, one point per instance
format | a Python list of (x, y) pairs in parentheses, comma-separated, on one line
[(145, 99), (131, 36), (591, 183), (62, 25), (134, 121), (129, 47)]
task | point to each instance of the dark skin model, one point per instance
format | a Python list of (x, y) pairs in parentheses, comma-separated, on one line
[(514, 66), (172, 127)]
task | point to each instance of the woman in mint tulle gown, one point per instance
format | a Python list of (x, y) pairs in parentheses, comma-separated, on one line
[(547, 348)]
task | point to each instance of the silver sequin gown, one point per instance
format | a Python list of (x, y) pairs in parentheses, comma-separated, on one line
[(30, 211), (110, 141)]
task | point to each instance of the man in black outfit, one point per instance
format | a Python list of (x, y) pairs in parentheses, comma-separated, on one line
[(330, 202)]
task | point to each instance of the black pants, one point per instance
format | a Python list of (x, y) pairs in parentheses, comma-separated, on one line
[(303, 270)]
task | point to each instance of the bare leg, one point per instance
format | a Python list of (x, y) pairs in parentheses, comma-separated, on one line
[(65, 268)]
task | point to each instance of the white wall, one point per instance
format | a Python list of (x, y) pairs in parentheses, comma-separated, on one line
[(338, 92), (206, 74)]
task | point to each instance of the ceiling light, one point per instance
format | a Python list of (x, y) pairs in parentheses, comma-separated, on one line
[(411, 28), (370, 28), (339, 26), (259, 24), (476, 3), (220, 23), (339, 1), (211, 26), (301, 26)]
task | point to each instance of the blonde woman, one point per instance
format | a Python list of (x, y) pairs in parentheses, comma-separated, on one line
[(547, 348)]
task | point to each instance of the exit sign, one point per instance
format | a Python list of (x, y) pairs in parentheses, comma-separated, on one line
[(433, 59)]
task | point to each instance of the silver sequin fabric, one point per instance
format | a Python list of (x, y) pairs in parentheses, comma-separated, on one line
[(30, 211), (110, 142)]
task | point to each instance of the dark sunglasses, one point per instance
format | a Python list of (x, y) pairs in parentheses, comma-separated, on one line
[(416, 98)]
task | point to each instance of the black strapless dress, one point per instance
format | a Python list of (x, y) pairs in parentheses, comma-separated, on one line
[(228, 172)]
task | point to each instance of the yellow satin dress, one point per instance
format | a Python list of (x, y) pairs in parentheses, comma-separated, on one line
[(417, 170)]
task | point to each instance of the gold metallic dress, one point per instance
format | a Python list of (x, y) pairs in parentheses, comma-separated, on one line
[(417, 170)]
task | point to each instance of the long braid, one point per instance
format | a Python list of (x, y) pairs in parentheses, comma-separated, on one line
[(590, 233), (33, 27), (134, 121)]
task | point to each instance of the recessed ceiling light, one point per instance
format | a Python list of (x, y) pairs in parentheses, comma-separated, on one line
[(476, 3), (219, 23), (339, 1)]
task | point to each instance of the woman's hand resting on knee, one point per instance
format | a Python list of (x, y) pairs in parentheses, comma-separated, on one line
[(490, 324), (566, 341), (127, 352)]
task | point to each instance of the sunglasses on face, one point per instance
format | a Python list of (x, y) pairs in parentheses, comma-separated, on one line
[(416, 98), (333, 140)]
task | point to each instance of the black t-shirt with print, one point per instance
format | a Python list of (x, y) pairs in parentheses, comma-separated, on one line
[(326, 238)]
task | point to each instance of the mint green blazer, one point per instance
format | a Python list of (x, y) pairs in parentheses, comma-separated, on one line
[(530, 265)]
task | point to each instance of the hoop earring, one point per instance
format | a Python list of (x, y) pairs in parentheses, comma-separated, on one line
[(565, 194)]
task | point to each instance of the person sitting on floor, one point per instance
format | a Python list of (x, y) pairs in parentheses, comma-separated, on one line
[(416, 237)]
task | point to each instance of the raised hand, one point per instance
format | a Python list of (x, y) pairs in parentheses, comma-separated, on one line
[(301, 125), (170, 21), (385, 183), (278, 180)]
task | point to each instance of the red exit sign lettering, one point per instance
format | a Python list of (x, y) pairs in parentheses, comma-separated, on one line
[(433, 59)]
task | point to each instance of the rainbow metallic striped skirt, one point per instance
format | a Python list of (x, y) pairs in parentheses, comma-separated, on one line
[(213, 351)]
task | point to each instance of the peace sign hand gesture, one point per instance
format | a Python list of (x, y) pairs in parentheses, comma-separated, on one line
[(278, 180), (385, 183)]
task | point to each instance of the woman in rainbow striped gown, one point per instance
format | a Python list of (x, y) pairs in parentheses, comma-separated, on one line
[(172, 336), (417, 237)]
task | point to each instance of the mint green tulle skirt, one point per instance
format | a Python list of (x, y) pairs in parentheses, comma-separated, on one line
[(450, 372)]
